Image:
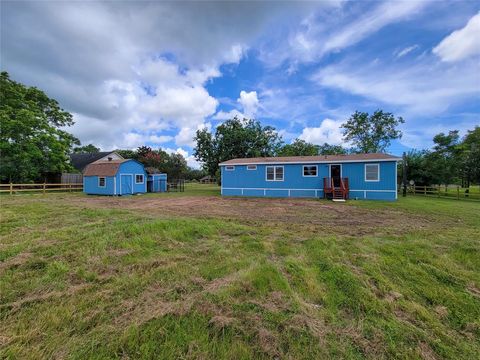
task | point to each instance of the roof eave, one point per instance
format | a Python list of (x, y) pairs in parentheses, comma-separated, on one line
[(226, 163)]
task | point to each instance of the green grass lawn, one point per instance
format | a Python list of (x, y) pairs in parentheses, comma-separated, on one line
[(194, 275)]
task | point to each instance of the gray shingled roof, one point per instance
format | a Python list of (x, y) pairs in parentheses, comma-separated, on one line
[(312, 159), (80, 161)]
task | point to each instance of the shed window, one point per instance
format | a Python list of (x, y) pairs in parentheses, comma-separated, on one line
[(139, 179), (101, 182), (274, 173), (372, 172), (230, 168), (251, 167), (310, 170)]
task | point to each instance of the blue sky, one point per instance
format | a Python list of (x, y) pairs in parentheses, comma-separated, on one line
[(154, 73)]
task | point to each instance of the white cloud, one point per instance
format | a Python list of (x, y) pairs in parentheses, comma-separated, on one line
[(249, 102), (190, 158), (428, 88), (223, 115), (406, 51), (461, 44), (186, 134), (155, 139), (100, 59), (328, 132), (335, 30), (384, 14)]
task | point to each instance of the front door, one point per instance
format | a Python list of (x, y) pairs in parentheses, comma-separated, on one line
[(336, 174), (126, 183)]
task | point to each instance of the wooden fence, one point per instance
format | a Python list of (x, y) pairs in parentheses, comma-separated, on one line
[(451, 192), (44, 188)]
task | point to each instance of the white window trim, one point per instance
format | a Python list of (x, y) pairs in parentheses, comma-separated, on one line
[(140, 182), (316, 171), (104, 181), (251, 167), (378, 172), (274, 172), (230, 168)]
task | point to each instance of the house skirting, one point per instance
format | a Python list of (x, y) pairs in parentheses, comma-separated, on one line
[(307, 193)]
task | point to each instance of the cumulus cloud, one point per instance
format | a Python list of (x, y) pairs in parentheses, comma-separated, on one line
[(461, 44), (129, 70), (328, 132), (249, 102)]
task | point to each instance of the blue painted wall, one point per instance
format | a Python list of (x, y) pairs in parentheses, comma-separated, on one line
[(123, 183), (159, 182), (253, 182)]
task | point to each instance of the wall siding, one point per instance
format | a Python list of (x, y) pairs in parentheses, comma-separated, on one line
[(243, 182), (113, 183)]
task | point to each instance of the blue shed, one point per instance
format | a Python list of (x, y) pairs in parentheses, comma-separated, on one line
[(115, 177), (338, 177), (157, 183)]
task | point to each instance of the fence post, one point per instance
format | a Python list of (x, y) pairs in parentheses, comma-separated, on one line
[(11, 189), (424, 189), (44, 187), (458, 192), (439, 189)]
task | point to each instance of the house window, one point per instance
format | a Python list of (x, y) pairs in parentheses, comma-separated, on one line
[(310, 170), (139, 179), (101, 182), (274, 173), (230, 168), (372, 172), (251, 167)]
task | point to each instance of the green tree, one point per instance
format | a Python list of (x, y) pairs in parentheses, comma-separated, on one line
[(444, 160), (470, 154), (371, 133), (235, 138), (298, 148), (418, 168), (176, 166), (127, 154), (327, 149), (32, 142), (90, 148)]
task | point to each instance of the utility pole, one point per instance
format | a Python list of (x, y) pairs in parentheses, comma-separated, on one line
[(404, 173)]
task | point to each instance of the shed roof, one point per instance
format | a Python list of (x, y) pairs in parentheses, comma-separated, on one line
[(80, 161), (313, 159), (104, 167)]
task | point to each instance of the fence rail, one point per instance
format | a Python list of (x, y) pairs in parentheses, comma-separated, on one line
[(451, 192), (14, 188)]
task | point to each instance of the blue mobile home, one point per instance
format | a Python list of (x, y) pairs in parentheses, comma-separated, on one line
[(355, 176)]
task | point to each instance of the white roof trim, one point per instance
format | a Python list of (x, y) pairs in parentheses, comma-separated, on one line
[(309, 162)]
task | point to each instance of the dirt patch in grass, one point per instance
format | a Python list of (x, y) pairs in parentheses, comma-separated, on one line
[(339, 218), (426, 351), (16, 261), (473, 290), (43, 296)]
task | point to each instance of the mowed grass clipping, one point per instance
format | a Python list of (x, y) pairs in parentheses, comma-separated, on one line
[(78, 281)]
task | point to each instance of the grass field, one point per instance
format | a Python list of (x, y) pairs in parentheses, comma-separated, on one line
[(196, 276)]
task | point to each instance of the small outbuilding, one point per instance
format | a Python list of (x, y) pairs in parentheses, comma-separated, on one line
[(157, 183), (120, 177)]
